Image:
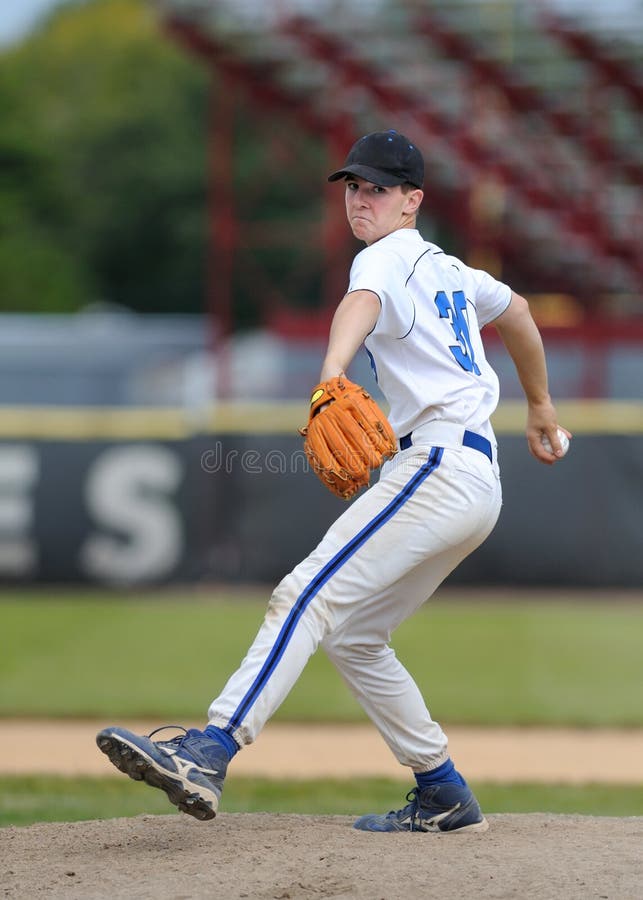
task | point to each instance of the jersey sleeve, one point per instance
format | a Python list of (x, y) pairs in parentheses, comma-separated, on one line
[(382, 273), (492, 296)]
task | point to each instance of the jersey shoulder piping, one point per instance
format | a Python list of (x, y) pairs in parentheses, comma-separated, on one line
[(412, 273), (401, 338)]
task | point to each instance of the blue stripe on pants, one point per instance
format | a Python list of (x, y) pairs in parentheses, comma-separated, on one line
[(313, 588)]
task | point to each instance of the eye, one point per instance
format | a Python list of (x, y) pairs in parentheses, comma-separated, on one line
[(378, 189), (351, 185)]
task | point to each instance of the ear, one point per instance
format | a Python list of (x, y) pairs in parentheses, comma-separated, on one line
[(413, 201)]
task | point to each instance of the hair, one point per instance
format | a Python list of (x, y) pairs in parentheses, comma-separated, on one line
[(407, 187)]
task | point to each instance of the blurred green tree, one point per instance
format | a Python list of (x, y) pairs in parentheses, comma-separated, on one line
[(102, 146), (37, 269)]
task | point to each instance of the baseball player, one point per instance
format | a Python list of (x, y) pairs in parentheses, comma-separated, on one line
[(419, 313)]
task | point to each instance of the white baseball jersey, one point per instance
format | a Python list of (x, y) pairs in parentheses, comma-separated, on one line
[(426, 349)]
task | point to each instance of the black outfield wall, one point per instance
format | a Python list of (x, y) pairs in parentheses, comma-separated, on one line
[(245, 508)]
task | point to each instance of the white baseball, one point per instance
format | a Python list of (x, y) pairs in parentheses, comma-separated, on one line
[(562, 437)]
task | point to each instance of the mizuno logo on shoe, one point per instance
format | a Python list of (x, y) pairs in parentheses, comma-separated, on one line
[(183, 766), (435, 820)]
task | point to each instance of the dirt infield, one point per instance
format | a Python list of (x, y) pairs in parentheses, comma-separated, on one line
[(562, 755), (287, 857), (262, 856)]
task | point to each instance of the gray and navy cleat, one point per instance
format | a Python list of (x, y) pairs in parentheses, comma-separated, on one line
[(446, 807), (190, 768)]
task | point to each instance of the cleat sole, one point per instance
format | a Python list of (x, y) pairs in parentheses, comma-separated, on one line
[(138, 767)]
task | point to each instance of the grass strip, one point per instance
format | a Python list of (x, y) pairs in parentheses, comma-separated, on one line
[(543, 661), (28, 800)]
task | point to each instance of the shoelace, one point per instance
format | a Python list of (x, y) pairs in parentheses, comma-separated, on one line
[(178, 740), (412, 809)]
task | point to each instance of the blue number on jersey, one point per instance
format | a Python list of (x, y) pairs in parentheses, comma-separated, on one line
[(455, 312)]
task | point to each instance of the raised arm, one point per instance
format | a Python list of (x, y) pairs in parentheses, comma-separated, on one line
[(354, 319), (524, 344)]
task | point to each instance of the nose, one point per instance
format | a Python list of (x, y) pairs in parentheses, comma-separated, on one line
[(360, 198)]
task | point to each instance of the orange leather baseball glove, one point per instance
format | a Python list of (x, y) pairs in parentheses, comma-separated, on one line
[(347, 436)]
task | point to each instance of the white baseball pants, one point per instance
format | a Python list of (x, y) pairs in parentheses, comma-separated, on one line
[(375, 566)]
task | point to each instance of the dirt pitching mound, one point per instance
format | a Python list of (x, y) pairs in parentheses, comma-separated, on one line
[(287, 857)]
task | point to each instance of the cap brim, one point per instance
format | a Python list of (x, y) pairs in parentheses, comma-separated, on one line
[(375, 176)]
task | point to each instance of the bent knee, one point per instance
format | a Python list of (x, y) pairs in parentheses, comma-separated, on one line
[(349, 651)]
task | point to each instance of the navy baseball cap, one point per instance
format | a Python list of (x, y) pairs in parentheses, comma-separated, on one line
[(386, 158)]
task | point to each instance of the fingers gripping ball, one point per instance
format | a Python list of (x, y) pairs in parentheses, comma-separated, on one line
[(563, 439), (347, 436)]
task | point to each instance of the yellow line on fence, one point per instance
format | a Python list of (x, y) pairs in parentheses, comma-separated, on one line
[(146, 423), (117, 423), (578, 416)]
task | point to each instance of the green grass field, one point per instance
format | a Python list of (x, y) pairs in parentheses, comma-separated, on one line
[(540, 661), (24, 801), (547, 659)]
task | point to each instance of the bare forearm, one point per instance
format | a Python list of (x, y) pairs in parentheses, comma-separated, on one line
[(337, 360), (354, 319), (524, 344)]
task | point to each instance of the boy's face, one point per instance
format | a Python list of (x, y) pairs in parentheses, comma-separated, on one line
[(374, 211)]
